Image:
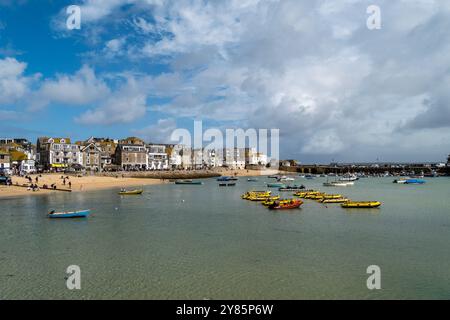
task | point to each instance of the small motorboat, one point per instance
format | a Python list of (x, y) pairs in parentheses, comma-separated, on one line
[(338, 200), (292, 188), (293, 204), (252, 180), (263, 198), (399, 181), (69, 214), (224, 178), (284, 178), (338, 184), (188, 182), (227, 184), (130, 192), (360, 204), (268, 203), (415, 181)]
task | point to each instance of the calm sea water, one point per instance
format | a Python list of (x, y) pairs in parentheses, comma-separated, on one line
[(196, 242)]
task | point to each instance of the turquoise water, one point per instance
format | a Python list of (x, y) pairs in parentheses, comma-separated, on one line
[(204, 242)]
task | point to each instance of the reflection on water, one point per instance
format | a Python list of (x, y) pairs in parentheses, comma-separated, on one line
[(195, 242)]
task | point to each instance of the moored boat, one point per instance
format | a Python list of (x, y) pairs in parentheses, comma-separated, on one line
[(69, 214), (186, 182), (293, 204), (415, 181), (252, 180), (361, 204), (292, 188), (130, 192), (339, 200)]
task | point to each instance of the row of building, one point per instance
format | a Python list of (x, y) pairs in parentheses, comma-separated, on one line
[(130, 154)]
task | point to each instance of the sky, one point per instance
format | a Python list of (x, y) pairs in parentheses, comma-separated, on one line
[(336, 90)]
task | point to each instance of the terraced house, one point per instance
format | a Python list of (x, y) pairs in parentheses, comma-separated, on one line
[(131, 154), (57, 154)]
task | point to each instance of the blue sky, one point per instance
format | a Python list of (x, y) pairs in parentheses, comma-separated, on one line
[(334, 88)]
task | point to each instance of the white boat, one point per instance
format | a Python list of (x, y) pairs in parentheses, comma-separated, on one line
[(349, 177), (337, 184), (284, 178)]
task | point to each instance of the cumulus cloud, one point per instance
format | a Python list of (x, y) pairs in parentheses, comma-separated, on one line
[(311, 68), (14, 85), (79, 89), (125, 105), (159, 132)]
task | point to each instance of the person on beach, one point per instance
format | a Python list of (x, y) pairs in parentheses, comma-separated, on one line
[(70, 185)]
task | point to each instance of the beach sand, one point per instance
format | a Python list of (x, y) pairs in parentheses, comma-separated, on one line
[(79, 184), (91, 182)]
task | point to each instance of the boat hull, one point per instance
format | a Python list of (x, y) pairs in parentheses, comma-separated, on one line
[(70, 215)]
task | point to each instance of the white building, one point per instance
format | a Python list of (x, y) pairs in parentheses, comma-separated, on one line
[(233, 158), (58, 153), (157, 157), (28, 166)]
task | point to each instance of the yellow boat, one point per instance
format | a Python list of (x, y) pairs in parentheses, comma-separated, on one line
[(263, 198), (340, 200), (130, 192), (333, 196), (361, 204), (303, 194), (271, 202), (249, 194), (314, 196)]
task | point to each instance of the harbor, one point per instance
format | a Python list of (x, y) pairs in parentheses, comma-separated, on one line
[(204, 242)]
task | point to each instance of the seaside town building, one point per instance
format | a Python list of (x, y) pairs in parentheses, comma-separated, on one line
[(5, 161), (58, 154), (22, 154), (157, 157), (91, 156), (131, 154), (233, 158)]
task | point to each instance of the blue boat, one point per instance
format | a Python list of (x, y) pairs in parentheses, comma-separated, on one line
[(70, 214), (224, 178), (415, 181)]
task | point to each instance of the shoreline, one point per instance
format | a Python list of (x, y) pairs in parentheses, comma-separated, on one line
[(114, 180)]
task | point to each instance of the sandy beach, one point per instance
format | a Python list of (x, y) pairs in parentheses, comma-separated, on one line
[(79, 184), (97, 182)]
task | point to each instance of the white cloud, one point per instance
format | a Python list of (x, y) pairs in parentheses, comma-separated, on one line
[(125, 105), (159, 132), (79, 89), (14, 85)]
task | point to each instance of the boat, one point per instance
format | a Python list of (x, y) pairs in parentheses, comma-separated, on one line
[(249, 194), (338, 184), (130, 192), (399, 181), (293, 204), (415, 181), (252, 180), (361, 204), (267, 203), (224, 178), (349, 177), (274, 176), (339, 200), (263, 198), (292, 188), (309, 176), (303, 194), (276, 185), (284, 178), (69, 214), (188, 182)]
